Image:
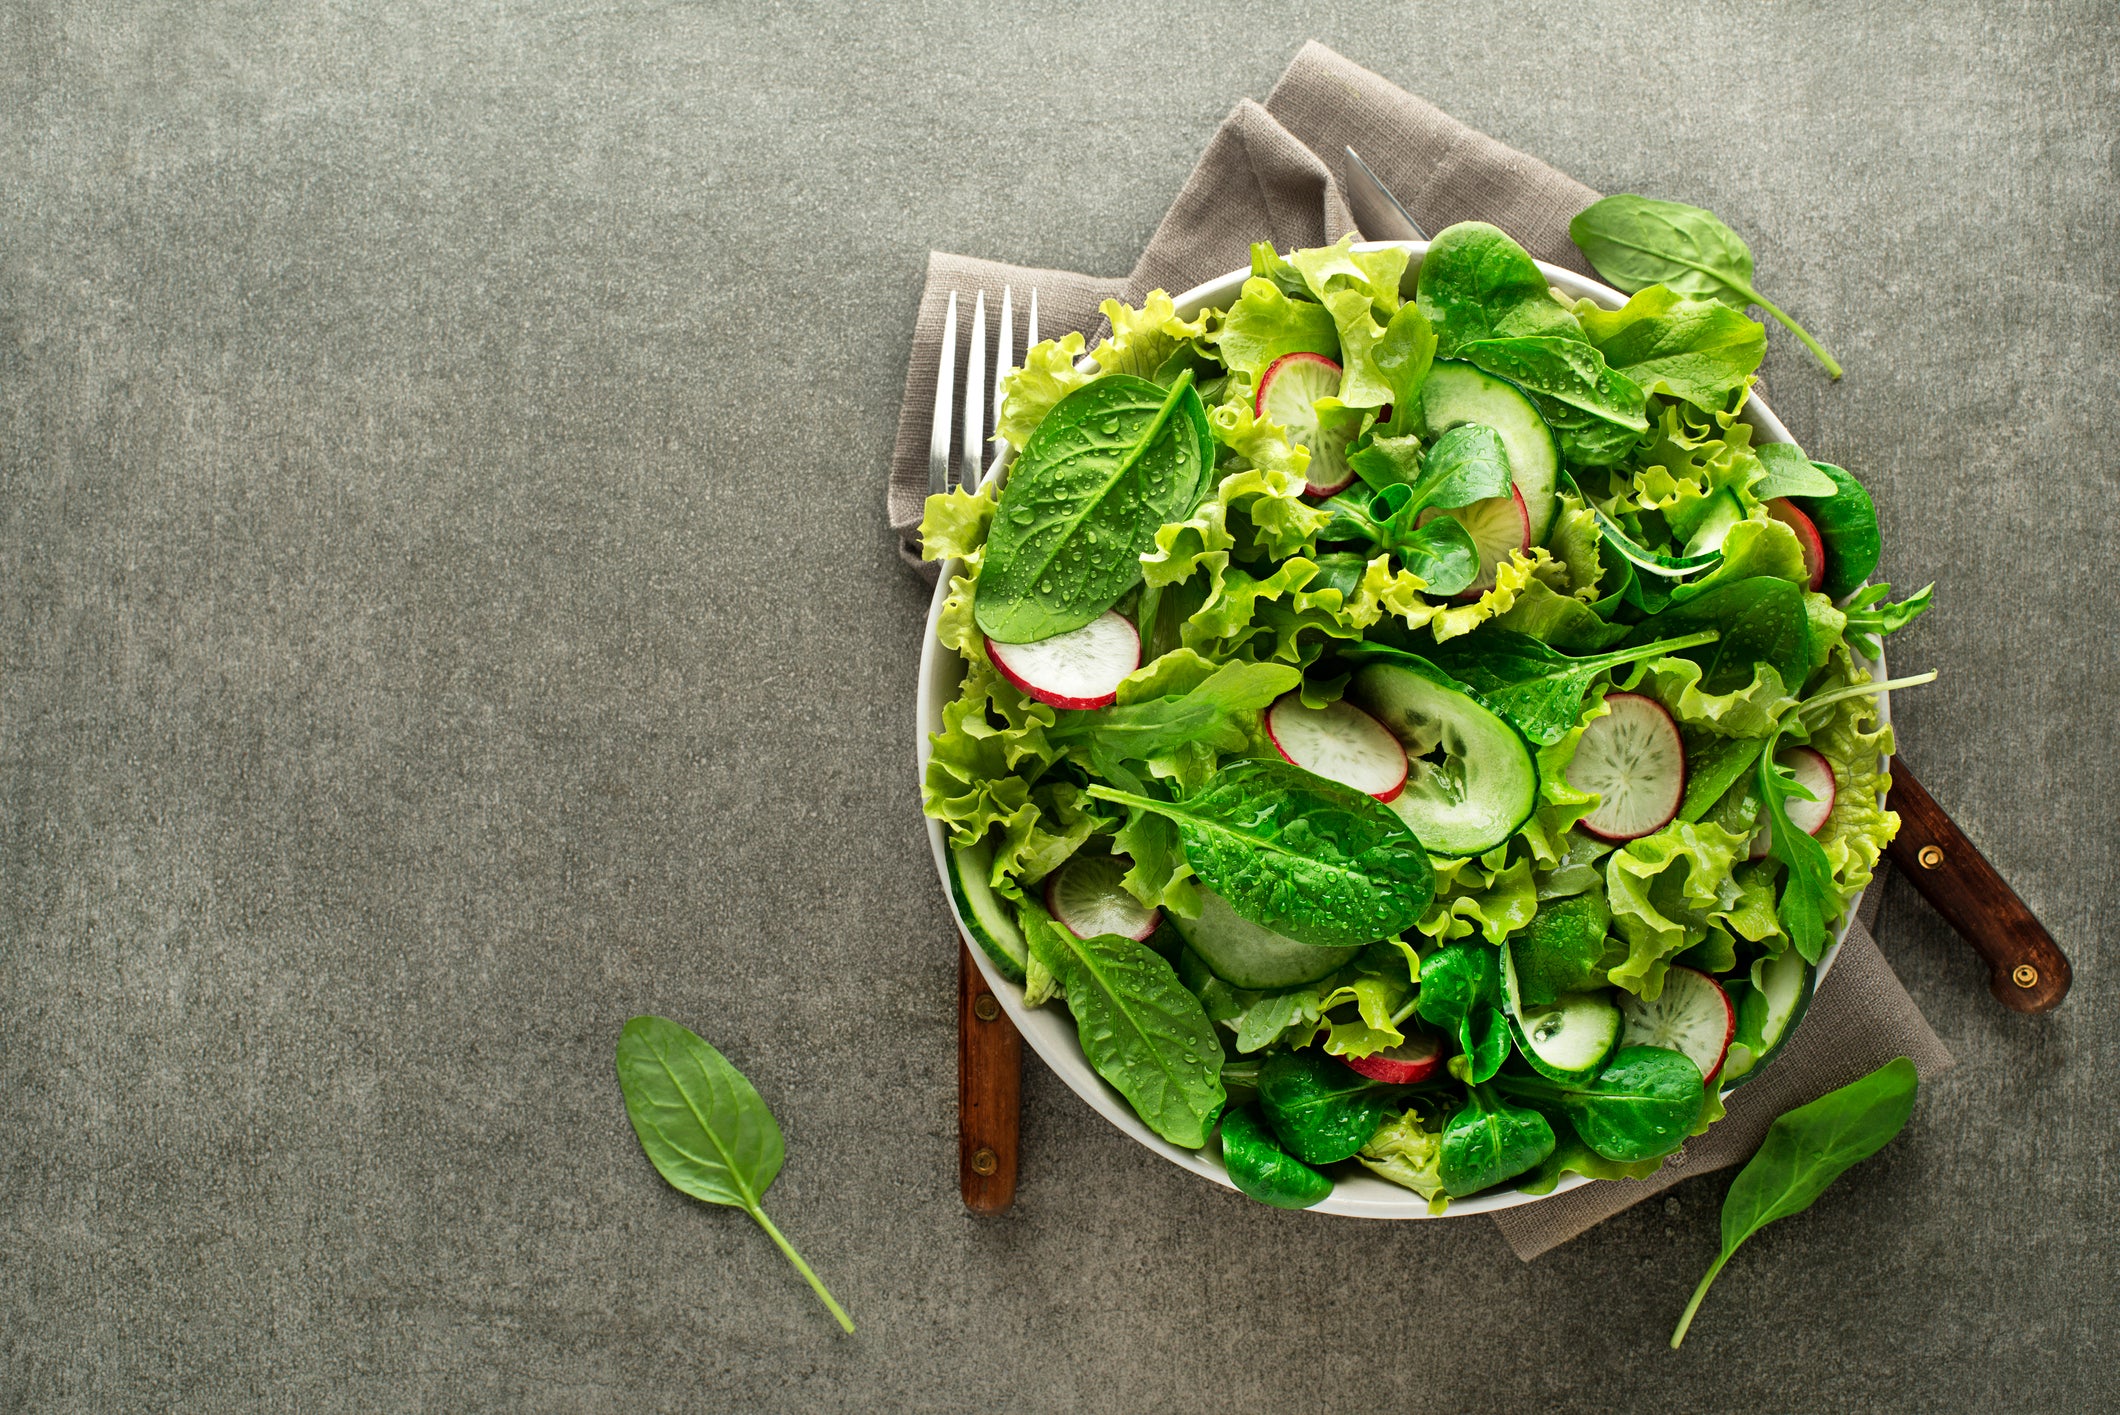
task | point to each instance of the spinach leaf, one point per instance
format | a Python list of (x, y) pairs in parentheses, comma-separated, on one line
[(1847, 523), (1259, 1167), (1461, 992), (1806, 1150), (1641, 1106), (1567, 371), (1404, 356), (1713, 766), (1565, 948), (1697, 350), (1537, 688), (1139, 1027), (1489, 1141), (1320, 862), (1586, 439), (1476, 283), (1110, 464), (1636, 242), (705, 1128), (1761, 620), (1790, 473), (1322, 1111)]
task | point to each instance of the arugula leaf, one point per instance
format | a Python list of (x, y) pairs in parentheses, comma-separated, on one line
[(1476, 283), (1567, 371), (1310, 858), (1804, 1152), (1640, 1107), (705, 1128), (1636, 242), (1111, 463), (1139, 1027), (1488, 1141), (1697, 350), (1536, 688), (1870, 618)]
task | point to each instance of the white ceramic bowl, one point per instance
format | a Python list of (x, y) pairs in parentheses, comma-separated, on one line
[(1051, 1031)]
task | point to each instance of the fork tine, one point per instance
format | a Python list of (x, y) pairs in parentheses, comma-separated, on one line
[(1004, 355), (969, 463), (945, 375), (1030, 335)]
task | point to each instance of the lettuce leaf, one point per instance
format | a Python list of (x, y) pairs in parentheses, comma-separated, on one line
[(1029, 392), (1666, 890), (1379, 982), (1265, 323), (1492, 898), (955, 523), (1853, 740), (1560, 805), (1141, 339), (1750, 711), (1406, 1152)]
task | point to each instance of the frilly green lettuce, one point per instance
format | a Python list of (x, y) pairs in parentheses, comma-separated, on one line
[(1141, 339), (992, 737), (1854, 741), (1560, 805), (1575, 543), (1489, 896), (955, 523), (1378, 982), (1028, 393), (1750, 711), (1406, 1152), (1265, 323), (1666, 891)]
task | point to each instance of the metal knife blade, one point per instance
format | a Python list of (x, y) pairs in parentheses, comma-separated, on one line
[(1376, 210)]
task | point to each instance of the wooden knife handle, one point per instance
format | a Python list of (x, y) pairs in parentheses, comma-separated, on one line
[(989, 1093), (2026, 971)]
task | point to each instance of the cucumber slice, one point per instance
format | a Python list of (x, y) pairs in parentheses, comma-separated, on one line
[(1570, 1039), (1243, 954), (1691, 1016), (1456, 393), (1470, 779), (987, 917), (1772, 1006)]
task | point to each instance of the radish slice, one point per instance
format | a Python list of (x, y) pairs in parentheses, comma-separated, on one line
[(1815, 774), (1691, 1016), (1633, 758), (1289, 391), (1499, 526), (1339, 742), (1079, 669), (1086, 896), (1414, 1059), (1814, 547)]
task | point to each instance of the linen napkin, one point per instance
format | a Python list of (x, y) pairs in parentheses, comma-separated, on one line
[(1270, 174)]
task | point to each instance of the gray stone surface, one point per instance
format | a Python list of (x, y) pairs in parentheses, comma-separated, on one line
[(447, 610)]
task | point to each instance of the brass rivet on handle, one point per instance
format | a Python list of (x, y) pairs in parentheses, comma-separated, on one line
[(986, 1010), (1931, 856), (2025, 976), (985, 1161)]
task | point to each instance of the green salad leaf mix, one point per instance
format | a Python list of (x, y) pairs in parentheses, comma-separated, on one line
[(1502, 722)]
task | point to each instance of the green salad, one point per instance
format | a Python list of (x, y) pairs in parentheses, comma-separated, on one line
[(1427, 733)]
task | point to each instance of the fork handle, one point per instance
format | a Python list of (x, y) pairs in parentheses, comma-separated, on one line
[(2027, 972), (989, 1093)]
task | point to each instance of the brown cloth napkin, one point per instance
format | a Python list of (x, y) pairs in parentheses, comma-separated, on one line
[(1270, 174)]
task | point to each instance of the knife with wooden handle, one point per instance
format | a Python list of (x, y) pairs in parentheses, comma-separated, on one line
[(989, 1093), (2026, 971)]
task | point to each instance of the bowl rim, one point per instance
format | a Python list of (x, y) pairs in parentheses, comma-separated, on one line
[(1053, 1037)]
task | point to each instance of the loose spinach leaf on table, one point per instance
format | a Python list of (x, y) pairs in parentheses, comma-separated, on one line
[(1140, 1028), (1537, 688), (1488, 1141), (1322, 1110), (1805, 1151), (1636, 242), (1110, 464), (1477, 283), (1320, 862), (1461, 992), (1698, 350), (1641, 1106), (1568, 372), (705, 1128)]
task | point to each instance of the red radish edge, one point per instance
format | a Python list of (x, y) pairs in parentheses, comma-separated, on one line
[(1729, 1018), (1678, 797), (1258, 408), (1814, 546), (1383, 735), (1762, 842), (1413, 1060), (1102, 686), (1523, 514)]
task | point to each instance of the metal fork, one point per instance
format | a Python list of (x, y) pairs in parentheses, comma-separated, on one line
[(982, 413)]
